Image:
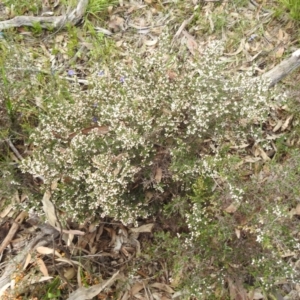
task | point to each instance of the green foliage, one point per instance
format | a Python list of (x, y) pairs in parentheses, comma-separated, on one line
[(53, 289), (23, 7), (103, 48), (293, 7), (73, 41), (16, 111), (37, 28), (219, 21), (96, 6), (240, 3), (246, 244)]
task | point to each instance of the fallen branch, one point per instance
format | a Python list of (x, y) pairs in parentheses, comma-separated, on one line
[(283, 69), (55, 22), (14, 228), (13, 264)]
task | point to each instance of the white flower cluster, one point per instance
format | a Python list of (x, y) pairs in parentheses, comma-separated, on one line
[(99, 142)]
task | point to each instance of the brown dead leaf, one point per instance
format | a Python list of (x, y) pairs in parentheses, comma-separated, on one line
[(238, 233), (159, 296), (27, 261), (287, 123), (250, 159), (151, 42), (255, 150), (126, 296), (263, 154), (182, 26), (86, 239), (49, 209), (93, 227), (141, 297), (74, 232), (118, 242), (103, 30), (90, 292), (288, 254), (158, 175), (117, 170), (236, 290), (112, 234), (171, 75), (99, 232), (39, 102), (59, 38), (116, 23), (190, 42), (143, 228), (100, 130), (93, 249), (137, 245), (68, 238), (79, 280), (240, 49), (119, 157), (69, 261), (33, 279), (54, 184), (119, 43), (280, 35), (70, 273), (163, 287), (278, 126), (297, 210), (258, 295), (16, 198), (47, 251), (148, 196), (232, 208), (242, 146), (279, 52), (138, 286), (6, 210), (42, 267)]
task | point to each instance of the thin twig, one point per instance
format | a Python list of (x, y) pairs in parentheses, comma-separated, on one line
[(14, 149)]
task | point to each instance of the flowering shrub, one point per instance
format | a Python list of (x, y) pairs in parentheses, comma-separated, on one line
[(139, 128), (251, 245), (135, 142), (247, 246), (17, 111)]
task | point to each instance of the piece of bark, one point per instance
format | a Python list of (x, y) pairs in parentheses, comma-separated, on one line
[(283, 69), (54, 22)]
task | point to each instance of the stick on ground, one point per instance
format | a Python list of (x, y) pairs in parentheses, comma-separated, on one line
[(283, 69), (71, 17)]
